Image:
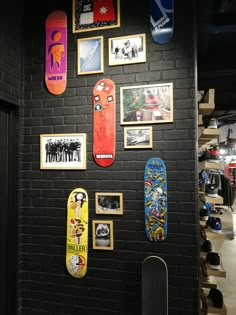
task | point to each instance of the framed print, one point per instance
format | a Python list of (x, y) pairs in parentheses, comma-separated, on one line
[(90, 55), (109, 203), (138, 137), (127, 49), (146, 104), (93, 15), (63, 151), (102, 234)]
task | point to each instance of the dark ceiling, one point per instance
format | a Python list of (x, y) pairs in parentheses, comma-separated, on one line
[(216, 41)]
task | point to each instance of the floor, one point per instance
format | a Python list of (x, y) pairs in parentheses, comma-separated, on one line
[(226, 246)]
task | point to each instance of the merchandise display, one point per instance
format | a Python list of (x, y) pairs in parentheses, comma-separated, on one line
[(214, 224), (214, 261), (56, 52), (216, 297), (155, 200)]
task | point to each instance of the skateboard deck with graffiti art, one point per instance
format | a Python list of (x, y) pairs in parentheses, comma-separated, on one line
[(154, 286), (56, 52), (155, 200), (161, 20), (104, 112), (77, 233)]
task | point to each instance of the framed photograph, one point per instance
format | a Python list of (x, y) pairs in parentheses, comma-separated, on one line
[(63, 151), (93, 15), (90, 55), (109, 203), (138, 137), (102, 234), (146, 104), (127, 49)]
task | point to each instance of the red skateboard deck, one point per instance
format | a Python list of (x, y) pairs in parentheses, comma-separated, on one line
[(56, 52), (77, 233), (104, 122)]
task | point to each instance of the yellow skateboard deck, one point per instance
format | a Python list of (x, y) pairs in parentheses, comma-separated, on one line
[(77, 233)]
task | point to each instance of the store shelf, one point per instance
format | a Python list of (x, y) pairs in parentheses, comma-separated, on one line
[(215, 200), (215, 310), (207, 135), (211, 283), (211, 165), (221, 273), (207, 106)]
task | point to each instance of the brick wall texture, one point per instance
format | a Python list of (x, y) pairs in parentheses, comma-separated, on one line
[(112, 285)]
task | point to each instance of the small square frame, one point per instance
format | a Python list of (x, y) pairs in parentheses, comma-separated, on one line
[(138, 137), (146, 104), (109, 203), (102, 231), (63, 151), (90, 55), (85, 13), (127, 49)]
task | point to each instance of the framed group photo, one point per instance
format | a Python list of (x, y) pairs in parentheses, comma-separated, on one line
[(109, 203), (127, 49), (138, 137), (90, 55), (63, 151), (102, 231), (93, 15), (146, 104)]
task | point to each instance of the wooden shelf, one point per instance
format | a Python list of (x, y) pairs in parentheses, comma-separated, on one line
[(221, 273), (215, 310), (211, 283), (207, 106), (215, 200), (207, 135), (211, 165)]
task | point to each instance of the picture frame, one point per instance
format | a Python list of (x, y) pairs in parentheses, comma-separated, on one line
[(63, 151), (109, 203), (146, 104), (95, 15), (127, 49), (90, 55), (138, 137), (102, 231)]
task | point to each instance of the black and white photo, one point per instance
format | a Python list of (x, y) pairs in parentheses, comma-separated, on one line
[(102, 234), (138, 137), (109, 203)]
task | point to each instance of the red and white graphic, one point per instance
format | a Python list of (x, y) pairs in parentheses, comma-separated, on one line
[(103, 10)]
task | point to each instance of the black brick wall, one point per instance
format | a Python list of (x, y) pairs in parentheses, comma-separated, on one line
[(112, 285)]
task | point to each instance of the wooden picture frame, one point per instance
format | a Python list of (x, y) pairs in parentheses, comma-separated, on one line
[(127, 49), (109, 203), (146, 104), (63, 151), (90, 55), (95, 15), (102, 231), (138, 137)]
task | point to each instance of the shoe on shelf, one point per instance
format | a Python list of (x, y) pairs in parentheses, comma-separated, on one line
[(216, 297), (204, 215), (211, 190), (213, 154), (206, 246), (213, 123), (214, 224), (213, 260)]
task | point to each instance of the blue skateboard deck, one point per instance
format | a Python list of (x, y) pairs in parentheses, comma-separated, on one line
[(154, 286), (155, 200), (161, 20)]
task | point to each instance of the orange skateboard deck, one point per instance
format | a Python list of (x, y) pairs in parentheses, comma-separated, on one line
[(56, 52), (77, 233), (104, 112)]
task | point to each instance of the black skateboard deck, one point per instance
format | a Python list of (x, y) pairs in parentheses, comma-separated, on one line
[(154, 286)]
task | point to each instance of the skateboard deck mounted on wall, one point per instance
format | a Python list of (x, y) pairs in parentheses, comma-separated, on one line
[(154, 286), (155, 200), (77, 233), (56, 52), (104, 112), (161, 20)]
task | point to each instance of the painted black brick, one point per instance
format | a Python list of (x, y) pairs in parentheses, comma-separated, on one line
[(113, 281)]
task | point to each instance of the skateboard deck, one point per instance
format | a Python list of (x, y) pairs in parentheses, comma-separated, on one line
[(161, 20), (154, 286), (77, 233), (104, 112), (155, 200), (56, 52)]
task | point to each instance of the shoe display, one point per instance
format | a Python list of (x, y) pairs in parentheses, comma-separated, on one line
[(213, 154), (204, 215), (213, 123), (213, 187), (213, 260), (214, 224), (206, 246), (216, 297)]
